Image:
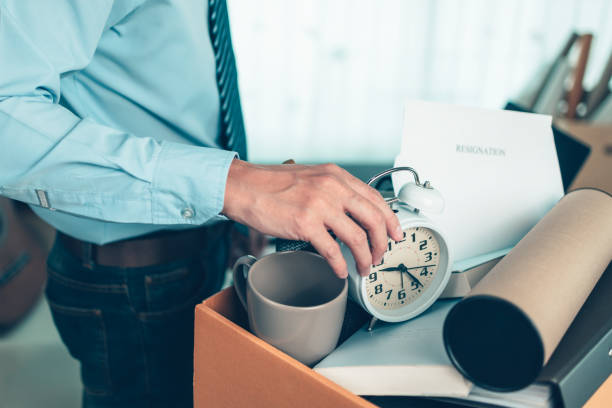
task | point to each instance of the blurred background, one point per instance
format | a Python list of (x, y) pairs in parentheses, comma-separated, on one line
[(325, 79)]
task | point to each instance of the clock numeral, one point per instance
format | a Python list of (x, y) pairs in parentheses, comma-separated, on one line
[(378, 289), (401, 294), (413, 237), (424, 272), (428, 255), (388, 292), (373, 277), (389, 245), (414, 285), (403, 239), (382, 261), (422, 245)]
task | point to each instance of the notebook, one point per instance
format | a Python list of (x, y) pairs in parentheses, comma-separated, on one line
[(496, 169), (397, 359)]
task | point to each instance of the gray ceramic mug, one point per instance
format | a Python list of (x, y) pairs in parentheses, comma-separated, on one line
[(294, 301)]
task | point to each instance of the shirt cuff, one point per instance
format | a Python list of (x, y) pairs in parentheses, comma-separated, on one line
[(189, 184)]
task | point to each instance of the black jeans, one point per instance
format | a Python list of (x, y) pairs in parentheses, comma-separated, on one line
[(132, 328)]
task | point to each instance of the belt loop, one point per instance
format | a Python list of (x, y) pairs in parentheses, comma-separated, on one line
[(87, 255)]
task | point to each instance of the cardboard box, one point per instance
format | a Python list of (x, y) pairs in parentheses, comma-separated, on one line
[(602, 398), (234, 368)]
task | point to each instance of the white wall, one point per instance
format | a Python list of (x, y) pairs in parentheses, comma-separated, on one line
[(324, 80)]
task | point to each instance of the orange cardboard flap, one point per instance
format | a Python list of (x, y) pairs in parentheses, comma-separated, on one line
[(233, 368)]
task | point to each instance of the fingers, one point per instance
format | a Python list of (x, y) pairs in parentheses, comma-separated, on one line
[(371, 219), (329, 249), (355, 238), (370, 214), (394, 229)]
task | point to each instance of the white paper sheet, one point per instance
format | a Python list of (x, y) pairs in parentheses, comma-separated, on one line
[(497, 170)]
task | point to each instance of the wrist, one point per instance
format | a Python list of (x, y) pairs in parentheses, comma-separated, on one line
[(234, 192)]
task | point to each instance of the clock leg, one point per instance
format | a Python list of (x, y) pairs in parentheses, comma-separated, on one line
[(372, 323)]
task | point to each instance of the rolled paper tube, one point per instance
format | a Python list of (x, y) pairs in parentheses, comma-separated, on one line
[(502, 333)]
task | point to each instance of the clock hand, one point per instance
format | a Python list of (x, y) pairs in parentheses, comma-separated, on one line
[(390, 269), (395, 268), (415, 279), (419, 267), (403, 268)]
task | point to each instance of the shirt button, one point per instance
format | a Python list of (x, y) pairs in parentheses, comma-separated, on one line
[(187, 213)]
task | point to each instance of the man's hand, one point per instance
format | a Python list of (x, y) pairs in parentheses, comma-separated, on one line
[(305, 202)]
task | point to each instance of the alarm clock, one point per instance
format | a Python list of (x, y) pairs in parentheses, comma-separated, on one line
[(415, 270)]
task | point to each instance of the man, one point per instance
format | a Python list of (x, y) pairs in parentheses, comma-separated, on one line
[(120, 125)]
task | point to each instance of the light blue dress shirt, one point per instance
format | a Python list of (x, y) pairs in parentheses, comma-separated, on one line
[(109, 115)]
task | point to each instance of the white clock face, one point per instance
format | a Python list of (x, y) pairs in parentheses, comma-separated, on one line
[(407, 270)]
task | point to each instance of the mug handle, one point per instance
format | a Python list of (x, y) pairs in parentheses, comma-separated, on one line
[(240, 276)]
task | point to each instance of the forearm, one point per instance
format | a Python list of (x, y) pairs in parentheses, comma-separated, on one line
[(52, 158)]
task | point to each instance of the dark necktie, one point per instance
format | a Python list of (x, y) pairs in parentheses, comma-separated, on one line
[(232, 125)]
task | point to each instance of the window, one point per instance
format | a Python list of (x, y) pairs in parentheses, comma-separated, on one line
[(324, 80)]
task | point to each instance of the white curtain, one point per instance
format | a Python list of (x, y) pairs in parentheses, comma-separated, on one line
[(324, 80)]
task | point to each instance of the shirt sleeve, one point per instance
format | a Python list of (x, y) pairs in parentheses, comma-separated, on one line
[(53, 158)]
